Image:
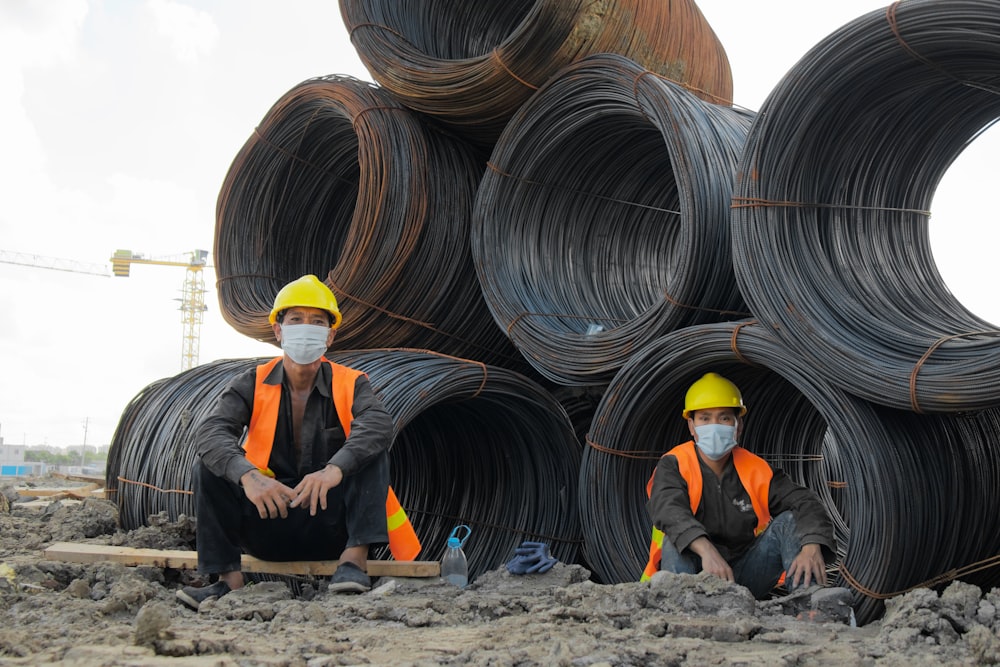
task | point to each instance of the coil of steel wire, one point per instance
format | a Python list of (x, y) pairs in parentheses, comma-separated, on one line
[(474, 444), (470, 65), (603, 220), (831, 213), (343, 182), (912, 496)]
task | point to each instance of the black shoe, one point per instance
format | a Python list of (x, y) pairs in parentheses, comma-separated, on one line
[(348, 578), (193, 596)]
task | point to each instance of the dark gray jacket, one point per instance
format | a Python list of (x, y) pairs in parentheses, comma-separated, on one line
[(220, 435), (725, 515)]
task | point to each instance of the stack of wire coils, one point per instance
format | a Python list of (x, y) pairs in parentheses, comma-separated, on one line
[(474, 445), (602, 221), (341, 181), (912, 496), (471, 65)]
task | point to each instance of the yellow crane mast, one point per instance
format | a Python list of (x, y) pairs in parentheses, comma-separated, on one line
[(192, 295)]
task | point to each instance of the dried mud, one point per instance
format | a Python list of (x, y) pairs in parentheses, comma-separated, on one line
[(60, 613)]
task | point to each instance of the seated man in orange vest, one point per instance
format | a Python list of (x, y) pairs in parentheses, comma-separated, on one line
[(717, 508), (311, 480)]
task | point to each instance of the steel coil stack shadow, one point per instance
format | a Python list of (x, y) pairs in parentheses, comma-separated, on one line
[(602, 222), (475, 444), (470, 65), (912, 496), (341, 181), (830, 227)]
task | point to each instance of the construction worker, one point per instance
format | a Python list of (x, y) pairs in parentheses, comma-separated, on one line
[(719, 509), (311, 479)]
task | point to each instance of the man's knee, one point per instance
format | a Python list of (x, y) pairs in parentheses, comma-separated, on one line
[(673, 561)]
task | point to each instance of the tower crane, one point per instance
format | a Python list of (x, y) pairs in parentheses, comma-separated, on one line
[(192, 295), (55, 263)]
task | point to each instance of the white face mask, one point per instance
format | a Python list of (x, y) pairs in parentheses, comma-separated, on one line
[(304, 343), (715, 440)]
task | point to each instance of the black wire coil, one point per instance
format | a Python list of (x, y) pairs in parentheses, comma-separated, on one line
[(830, 227), (474, 444), (470, 65), (341, 181), (912, 496), (603, 220)]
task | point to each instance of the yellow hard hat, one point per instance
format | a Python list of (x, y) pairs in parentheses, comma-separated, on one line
[(306, 292), (712, 391)]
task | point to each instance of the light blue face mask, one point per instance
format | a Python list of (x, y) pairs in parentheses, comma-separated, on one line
[(715, 440), (304, 343)]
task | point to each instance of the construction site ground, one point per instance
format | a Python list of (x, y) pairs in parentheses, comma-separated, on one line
[(55, 612)]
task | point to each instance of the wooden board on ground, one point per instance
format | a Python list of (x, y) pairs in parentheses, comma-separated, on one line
[(78, 492), (96, 479), (75, 552)]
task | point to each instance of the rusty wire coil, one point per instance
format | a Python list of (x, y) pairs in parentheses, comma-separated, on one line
[(830, 228), (603, 219), (343, 182), (470, 65), (912, 496), (474, 444)]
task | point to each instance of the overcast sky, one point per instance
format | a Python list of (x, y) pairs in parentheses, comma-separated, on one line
[(119, 121)]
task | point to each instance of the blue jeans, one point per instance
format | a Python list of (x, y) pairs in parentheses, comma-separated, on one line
[(759, 569)]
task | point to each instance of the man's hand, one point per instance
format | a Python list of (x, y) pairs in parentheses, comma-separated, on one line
[(808, 566), (313, 488), (711, 560), (270, 496)]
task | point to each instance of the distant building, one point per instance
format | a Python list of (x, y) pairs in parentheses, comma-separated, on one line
[(12, 462)]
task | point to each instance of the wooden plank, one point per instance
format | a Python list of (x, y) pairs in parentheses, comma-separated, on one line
[(56, 494), (75, 552), (96, 479)]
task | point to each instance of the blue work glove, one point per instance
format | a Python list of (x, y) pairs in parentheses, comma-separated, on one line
[(531, 558)]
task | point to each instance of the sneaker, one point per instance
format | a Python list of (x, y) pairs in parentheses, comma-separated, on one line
[(348, 578), (193, 596)]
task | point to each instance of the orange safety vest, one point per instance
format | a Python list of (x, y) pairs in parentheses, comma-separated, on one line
[(755, 475), (403, 541)]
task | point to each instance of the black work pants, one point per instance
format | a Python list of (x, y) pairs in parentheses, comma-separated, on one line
[(228, 524)]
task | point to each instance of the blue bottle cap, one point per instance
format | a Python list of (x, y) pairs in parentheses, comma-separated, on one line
[(454, 543)]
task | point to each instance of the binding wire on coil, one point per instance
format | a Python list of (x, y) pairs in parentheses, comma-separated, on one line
[(341, 181), (474, 444), (602, 221), (832, 206), (470, 65), (911, 496)]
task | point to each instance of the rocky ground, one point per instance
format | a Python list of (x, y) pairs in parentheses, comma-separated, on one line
[(59, 613)]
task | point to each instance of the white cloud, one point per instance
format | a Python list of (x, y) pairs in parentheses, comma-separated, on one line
[(39, 33), (32, 35), (192, 33)]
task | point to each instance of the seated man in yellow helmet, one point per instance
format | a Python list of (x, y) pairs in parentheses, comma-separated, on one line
[(719, 509), (311, 479)]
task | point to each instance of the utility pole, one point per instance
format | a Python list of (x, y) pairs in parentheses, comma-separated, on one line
[(83, 451)]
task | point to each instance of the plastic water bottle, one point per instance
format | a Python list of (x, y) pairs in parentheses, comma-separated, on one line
[(454, 566)]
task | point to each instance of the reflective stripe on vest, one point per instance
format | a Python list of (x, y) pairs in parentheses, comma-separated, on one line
[(403, 541), (755, 476)]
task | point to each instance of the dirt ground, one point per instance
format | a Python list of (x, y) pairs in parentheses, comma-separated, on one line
[(79, 615)]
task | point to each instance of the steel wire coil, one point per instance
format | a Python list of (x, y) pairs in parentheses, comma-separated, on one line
[(603, 220), (830, 221), (341, 181), (912, 496), (152, 449), (474, 444), (471, 65)]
